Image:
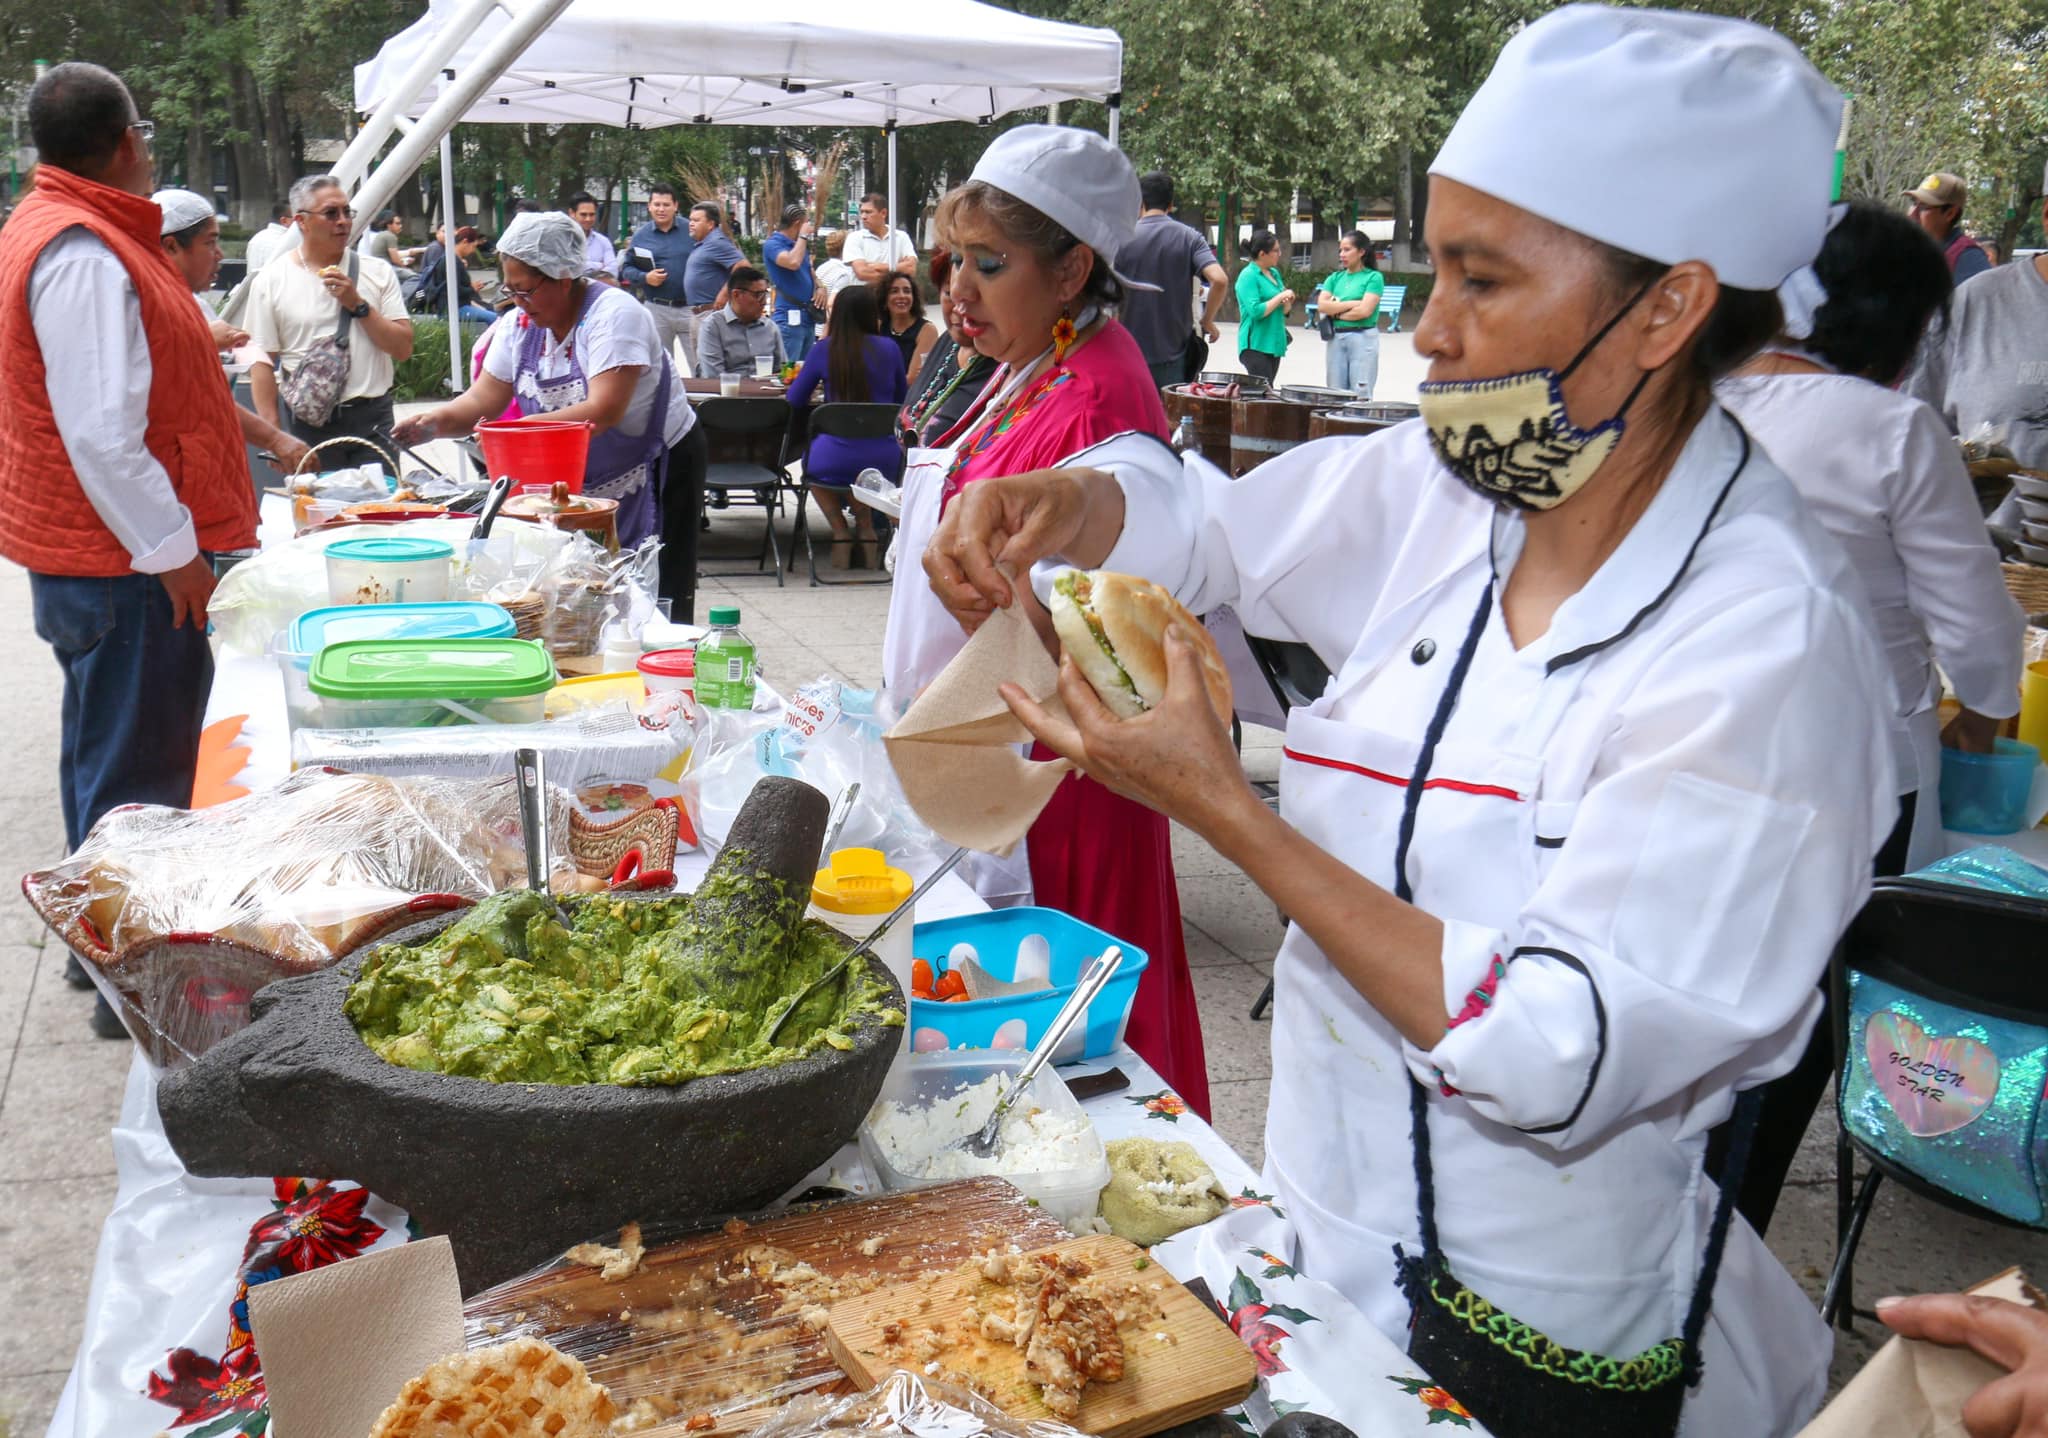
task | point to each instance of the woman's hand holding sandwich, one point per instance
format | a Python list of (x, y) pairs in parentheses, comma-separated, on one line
[(1012, 523)]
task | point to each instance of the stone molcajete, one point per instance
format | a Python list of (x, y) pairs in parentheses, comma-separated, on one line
[(516, 1172)]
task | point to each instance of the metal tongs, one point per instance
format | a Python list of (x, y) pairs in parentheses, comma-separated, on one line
[(833, 974), (1099, 972)]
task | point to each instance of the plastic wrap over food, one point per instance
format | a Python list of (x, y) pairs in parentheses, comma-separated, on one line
[(697, 1328), (903, 1403), (180, 916), (824, 733), (259, 598)]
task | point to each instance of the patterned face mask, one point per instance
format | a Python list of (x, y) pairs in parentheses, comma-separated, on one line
[(1510, 438)]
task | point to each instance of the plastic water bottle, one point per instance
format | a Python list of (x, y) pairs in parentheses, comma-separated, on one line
[(1184, 436), (725, 663)]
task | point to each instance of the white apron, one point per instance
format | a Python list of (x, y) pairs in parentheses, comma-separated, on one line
[(1510, 1209)]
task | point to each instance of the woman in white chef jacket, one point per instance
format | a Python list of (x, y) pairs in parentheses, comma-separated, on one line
[(1646, 708), (1884, 476)]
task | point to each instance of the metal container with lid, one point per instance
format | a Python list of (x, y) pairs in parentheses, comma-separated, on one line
[(1360, 417), (1314, 394), (1244, 383), (598, 518)]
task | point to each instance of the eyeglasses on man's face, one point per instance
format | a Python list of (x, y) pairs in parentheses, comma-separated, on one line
[(145, 130), (333, 214)]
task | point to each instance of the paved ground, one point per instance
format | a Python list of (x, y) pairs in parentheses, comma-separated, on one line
[(60, 1088)]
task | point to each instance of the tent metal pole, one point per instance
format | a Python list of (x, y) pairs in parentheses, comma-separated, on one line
[(506, 46), (449, 260), (1116, 116), (355, 160), (889, 129)]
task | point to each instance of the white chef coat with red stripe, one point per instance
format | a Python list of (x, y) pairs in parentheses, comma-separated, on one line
[(1643, 832)]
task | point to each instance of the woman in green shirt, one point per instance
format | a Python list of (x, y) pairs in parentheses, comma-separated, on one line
[(1262, 309), (1350, 300)]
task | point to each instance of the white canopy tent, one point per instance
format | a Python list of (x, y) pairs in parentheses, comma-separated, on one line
[(672, 62)]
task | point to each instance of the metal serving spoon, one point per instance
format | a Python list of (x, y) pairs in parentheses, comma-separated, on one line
[(1100, 970), (530, 766), (866, 945)]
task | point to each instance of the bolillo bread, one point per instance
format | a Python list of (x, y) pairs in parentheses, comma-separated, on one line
[(1114, 626)]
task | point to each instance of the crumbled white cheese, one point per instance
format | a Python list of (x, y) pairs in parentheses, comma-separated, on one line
[(919, 1141)]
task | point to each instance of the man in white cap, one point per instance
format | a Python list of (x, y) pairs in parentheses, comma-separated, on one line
[(191, 237), (1568, 839)]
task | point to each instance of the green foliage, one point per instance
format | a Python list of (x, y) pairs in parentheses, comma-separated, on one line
[(424, 376)]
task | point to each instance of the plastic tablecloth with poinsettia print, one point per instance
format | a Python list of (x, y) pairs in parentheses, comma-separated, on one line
[(167, 1349)]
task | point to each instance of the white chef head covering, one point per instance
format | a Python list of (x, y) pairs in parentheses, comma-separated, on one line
[(1671, 136), (1073, 177), (182, 210), (551, 242)]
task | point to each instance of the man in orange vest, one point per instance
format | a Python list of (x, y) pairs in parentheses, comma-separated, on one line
[(122, 470)]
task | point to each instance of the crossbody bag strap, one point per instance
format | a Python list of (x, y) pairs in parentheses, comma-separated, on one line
[(341, 325)]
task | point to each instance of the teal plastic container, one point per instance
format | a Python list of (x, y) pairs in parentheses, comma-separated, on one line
[(341, 623), (388, 569), (1018, 1020), (420, 683), (1987, 793)]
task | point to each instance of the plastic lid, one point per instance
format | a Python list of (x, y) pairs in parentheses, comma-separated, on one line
[(455, 619), (670, 663), (860, 881), (726, 614), (432, 669), (389, 549)]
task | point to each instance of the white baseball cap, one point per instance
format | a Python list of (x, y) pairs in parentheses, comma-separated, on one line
[(1073, 177), (182, 210), (1671, 136)]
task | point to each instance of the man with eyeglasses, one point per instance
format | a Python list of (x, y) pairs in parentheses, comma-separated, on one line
[(121, 462), (730, 339), (298, 302)]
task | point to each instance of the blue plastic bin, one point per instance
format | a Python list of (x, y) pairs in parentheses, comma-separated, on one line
[(1019, 1020), (1987, 793)]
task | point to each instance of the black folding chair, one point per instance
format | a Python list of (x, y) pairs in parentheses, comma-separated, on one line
[(1974, 956), (731, 479), (1297, 678), (842, 421)]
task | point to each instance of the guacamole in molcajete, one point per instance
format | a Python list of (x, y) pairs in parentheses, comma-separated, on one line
[(653, 992)]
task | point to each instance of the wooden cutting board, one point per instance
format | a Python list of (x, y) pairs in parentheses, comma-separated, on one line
[(1197, 1368), (704, 1324)]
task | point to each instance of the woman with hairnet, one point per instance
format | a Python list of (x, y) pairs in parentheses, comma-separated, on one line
[(578, 350), (1599, 775)]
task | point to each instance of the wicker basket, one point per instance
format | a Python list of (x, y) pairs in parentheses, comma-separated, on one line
[(2028, 584)]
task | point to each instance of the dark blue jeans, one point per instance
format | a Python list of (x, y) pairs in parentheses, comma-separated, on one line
[(134, 693)]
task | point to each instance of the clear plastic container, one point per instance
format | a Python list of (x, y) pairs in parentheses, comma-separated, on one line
[(1987, 793), (929, 1080), (294, 650), (669, 671), (423, 683), (388, 569)]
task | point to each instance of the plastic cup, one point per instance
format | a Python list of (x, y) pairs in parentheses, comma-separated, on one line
[(764, 366), (2034, 705), (729, 385)]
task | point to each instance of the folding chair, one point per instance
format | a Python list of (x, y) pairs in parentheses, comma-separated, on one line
[(1297, 678), (842, 421), (744, 418), (1941, 1031)]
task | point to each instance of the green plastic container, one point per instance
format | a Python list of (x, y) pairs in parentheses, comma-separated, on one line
[(418, 683)]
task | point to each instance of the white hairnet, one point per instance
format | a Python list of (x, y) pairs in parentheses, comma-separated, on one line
[(551, 242), (182, 210)]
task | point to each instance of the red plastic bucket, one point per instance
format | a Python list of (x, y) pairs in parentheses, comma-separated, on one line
[(536, 451)]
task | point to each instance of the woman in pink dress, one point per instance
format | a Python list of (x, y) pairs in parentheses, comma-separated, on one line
[(1034, 233)]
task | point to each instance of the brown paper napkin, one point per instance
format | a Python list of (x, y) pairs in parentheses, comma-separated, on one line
[(1912, 1389), (338, 1343), (954, 753)]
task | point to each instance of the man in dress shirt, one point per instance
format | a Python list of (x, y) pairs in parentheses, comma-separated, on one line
[(121, 464), (654, 263), (731, 338), (712, 261), (875, 250), (604, 257)]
